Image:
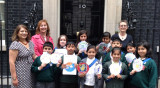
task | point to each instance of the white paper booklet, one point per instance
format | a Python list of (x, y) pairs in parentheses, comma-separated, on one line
[(70, 61)]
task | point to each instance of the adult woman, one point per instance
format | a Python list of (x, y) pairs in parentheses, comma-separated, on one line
[(21, 54), (122, 35), (42, 35)]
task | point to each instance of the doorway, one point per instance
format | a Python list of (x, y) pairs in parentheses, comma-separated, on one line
[(79, 15)]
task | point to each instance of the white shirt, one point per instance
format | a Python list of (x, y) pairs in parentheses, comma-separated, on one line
[(122, 37), (90, 76)]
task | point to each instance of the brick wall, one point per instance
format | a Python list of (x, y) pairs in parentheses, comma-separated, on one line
[(19, 9), (16, 11), (148, 25)]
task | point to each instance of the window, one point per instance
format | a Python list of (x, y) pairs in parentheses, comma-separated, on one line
[(2, 24)]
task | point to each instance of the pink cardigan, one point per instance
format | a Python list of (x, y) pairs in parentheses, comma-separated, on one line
[(38, 44)]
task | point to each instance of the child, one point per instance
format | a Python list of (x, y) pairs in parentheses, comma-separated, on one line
[(69, 81), (108, 57), (44, 72), (88, 79), (131, 51), (130, 56), (131, 48), (147, 77), (115, 72), (61, 44), (82, 36), (105, 42), (62, 40)]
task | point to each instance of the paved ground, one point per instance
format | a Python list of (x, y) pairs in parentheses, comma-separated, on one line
[(159, 83), (5, 82)]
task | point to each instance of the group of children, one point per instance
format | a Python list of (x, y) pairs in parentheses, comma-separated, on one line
[(50, 76)]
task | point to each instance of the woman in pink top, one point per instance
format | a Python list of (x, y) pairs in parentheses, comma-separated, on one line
[(42, 36)]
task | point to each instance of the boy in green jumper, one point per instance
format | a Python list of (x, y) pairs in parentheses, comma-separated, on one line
[(115, 43), (45, 73), (69, 81)]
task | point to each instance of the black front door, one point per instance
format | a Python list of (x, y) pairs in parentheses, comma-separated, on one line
[(82, 14)]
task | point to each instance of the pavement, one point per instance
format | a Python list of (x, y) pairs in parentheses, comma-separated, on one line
[(5, 82), (159, 83)]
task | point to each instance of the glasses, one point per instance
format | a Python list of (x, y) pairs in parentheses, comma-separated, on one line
[(123, 25)]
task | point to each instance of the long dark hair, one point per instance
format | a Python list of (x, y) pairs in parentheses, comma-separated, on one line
[(16, 31), (147, 46), (58, 44), (105, 34), (79, 34)]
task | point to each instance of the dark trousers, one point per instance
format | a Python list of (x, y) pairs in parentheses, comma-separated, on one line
[(45, 85), (100, 83), (68, 85), (131, 86), (85, 86)]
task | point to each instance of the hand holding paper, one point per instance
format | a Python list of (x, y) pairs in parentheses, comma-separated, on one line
[(63, 66), (119, 76), (82, 74), (42, 66), (132, 72)]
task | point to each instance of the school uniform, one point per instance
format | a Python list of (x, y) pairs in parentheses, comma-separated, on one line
[(115, 82), (69, 81), (58, 73), (147, 78), (100, 56), (90, 79), (82, 55), (46, 76), (108, 57)]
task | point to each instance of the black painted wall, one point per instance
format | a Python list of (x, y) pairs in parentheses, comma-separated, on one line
[(147, 13), (16, 11), (19, 9)]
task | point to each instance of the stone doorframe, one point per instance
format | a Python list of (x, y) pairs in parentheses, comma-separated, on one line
[(51, 12)]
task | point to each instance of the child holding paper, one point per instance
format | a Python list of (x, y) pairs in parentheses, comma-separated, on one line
[(88, 80), (82, 43), (131, 51), (61, 46), (43, 69), (114, 71), (104, 47), (108, 57), (130, 56), (143, 71), (69, 81)]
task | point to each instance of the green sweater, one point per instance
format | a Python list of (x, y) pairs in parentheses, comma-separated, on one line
[(69, 78), (108, 58), (146, 78), (46, 75), (114, 83)]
